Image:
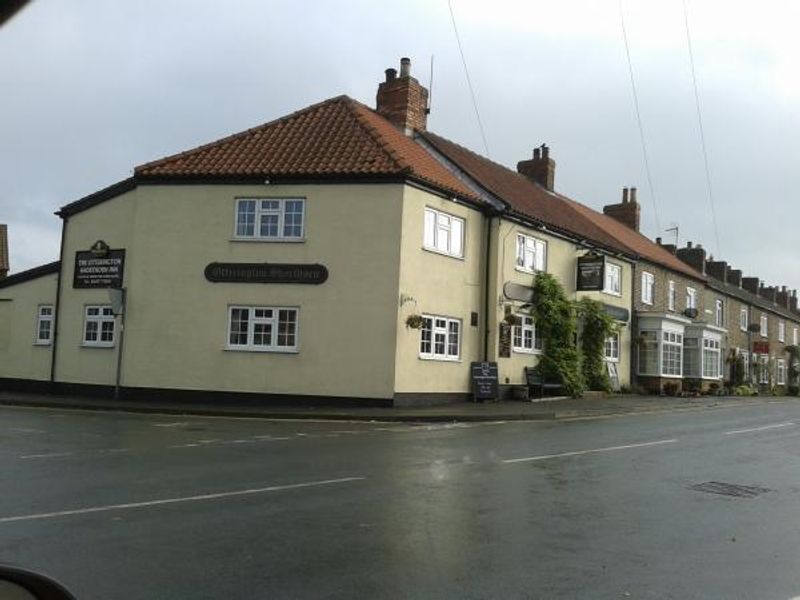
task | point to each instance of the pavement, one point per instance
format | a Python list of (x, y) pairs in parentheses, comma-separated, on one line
[(548, 409), (689, 504)]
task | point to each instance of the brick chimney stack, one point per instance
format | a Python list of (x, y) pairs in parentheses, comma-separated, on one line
[(626, 212), (402, 100), (694, 256), (751, 284), (735, 277), (540, 169), (793, 301), (718, 269), (3, 251)]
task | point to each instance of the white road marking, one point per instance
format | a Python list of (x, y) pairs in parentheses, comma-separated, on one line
[(175, 424), (594, 450), (762, 428), (128, 505), (269, 438), (27, 430), (184, 446), (46, 455), (114, 450)]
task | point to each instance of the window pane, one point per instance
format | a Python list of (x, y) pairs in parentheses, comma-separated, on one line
[(245, 217), (426, 333), (262, 334), (540, 251), (270, 205), (430, 227), (90, 332), (107, 331), (452, 338), (46, 311), (239, 325), (44, 330), (92, 311), (439, 343), (443, 239), (269, 225), (520, 251), (287, 327), (457, 232), (293, 219)]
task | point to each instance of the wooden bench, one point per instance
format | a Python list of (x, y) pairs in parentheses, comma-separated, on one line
[(536, 383)]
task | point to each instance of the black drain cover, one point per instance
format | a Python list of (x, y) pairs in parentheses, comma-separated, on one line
[(729, 489)]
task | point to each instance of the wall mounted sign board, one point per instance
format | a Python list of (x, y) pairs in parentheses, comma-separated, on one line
[(591, 273), (266, 273), (99, 268), (515, 291)]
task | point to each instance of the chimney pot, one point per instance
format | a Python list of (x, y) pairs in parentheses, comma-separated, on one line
[(537, 154), (391, 75), (633, 195), (624, 195), (405, 67), (688, 244), (540, 169), (403, 101), (658, 241)]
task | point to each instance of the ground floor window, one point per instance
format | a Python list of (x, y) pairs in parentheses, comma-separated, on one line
[(691, 357), (745, 366), (671, 351), (526, 335), (648, 353), (440, 338), (763, 368), (262, 328), (780, 371), (44, 324), (711, 358), (612, 348), (98, 326)]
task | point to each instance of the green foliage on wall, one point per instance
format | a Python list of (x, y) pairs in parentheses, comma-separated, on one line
[(556, 322), (596, 325)]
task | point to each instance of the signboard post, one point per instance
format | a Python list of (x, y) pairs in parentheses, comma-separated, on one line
[(591, 273), (485, 386)]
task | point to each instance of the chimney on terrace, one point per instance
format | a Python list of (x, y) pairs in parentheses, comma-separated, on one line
[(694, 256), (540, 169), (402, 100), (626, 212)]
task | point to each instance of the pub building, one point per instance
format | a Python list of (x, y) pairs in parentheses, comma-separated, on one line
[(339, 254)]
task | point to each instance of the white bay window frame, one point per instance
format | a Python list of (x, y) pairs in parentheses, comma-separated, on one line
[(440, 338), (263, 328), (268, 219), (443, 233)]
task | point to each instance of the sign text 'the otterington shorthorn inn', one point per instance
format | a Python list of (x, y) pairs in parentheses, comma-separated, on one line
[(100, 267)]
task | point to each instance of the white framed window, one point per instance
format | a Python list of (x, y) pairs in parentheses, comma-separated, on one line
[(648, 353), (613, 279), (719, 313), (98, 326), (711, 358), (794, 336), (691, 298), (270, 219), (671, 353), (648, 287), (745, 365), (764, 326), (443, 233), (763, 368), (781, 331), (525, 336), (691, 357), (440, 338), (531, 253), (262, 328), (744, 319), (44, 324), (780, 371), (611, 349), (672, 296)]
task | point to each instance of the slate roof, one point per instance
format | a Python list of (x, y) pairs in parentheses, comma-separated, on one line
[(339, 138), (30, 274), (555, 210)]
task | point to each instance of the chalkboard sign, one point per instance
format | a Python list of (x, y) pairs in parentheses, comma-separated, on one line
[(483, 376)]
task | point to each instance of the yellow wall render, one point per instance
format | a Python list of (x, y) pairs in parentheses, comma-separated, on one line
[(20, 356)]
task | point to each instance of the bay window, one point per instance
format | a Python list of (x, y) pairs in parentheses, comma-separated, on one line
[(671, 353), (711, 358), (648, 353)]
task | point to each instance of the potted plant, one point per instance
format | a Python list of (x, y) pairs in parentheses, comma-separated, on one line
[(513, 320), (415, 321)]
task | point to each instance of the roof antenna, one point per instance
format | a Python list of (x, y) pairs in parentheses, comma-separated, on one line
[(430, 90), (676, 229)]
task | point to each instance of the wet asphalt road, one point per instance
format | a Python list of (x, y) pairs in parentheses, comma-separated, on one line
[(126, 506)]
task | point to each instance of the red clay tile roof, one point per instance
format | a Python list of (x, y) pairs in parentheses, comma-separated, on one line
[(337, 138), (555, 210), (3, 247)]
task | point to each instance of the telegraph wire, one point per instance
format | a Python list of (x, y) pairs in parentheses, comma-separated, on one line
[(639, 118), (469, 80), (700, 125)]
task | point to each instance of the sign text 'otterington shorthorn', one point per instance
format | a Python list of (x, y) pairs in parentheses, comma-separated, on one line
[(266, 273)]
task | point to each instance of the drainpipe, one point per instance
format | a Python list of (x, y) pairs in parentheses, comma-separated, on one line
[(54, 347), (487, 273)]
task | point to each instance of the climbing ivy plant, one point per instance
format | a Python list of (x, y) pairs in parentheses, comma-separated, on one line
[(595, 325), (556, 322)]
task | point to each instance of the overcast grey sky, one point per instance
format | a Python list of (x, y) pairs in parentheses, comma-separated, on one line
[(91, 88)]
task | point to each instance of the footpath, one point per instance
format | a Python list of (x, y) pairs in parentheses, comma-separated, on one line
[(550, 409)]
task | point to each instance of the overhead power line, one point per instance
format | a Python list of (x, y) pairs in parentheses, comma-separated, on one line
[(639, 119), (700, 126), (469, 80)]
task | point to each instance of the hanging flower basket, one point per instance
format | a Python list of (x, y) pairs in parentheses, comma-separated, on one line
[(415, 321), (513, 320)]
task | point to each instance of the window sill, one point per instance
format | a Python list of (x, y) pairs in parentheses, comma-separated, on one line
[(609, 293), (42, 343), (611, 360), (439, 359), (262, 350), (526, 351), (529, 271), (441, 253), (90, 345), (252, 240)]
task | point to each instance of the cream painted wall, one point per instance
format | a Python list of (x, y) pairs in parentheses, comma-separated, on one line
[(561, 263), (439, 285), (20, 356), (177, 320)]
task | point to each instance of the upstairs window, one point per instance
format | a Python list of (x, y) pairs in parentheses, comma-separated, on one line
[(794, 336), (672, 296), (743, 319), (270, 219), (530, 253), (648, 287), (764, 326), (691, 298), (443, 233), (98, 326), (613, 281), (719, 313), (781, 331), (44, 324)]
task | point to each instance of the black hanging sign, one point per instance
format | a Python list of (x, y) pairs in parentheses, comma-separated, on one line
[(483, 376), (266, 273), (99, 267), (591, 272)]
